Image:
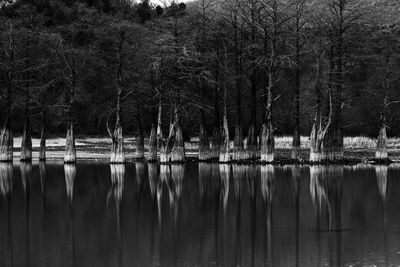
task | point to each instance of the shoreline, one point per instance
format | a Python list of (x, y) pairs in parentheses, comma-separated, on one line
[(98, 149)]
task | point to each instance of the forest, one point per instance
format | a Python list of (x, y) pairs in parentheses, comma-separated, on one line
[(220, 70)]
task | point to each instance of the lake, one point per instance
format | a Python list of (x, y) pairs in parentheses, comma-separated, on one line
[(94, 214)]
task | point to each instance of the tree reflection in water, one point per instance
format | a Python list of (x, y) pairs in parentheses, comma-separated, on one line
[(326, 188), (381, 172), (251, 179), (6, 187), (115, 192), (267, 191), (6, 176)]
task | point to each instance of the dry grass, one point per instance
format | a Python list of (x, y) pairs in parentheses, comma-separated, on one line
[(359, 142)]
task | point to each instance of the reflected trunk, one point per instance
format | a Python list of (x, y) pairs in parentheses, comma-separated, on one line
[(205, 173), (225, 173), (326, 187), (252, 177), (6, 178), (267, 191), (381, 178), (70, 176), (153, 178), (116, 190)]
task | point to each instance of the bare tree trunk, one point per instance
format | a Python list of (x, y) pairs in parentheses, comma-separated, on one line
[(332, 145), (117, 147), (204, 145), (267, 135), (238, 145), (216, 141), (152, 145), (139, 138), (42, 149), (225, 152), (267, 142), (251, 146), (166, 148), (317, 133), (159, 126), (26, 144), (178, 150), (6, 135), (381, 148), (6, 142), (70, 149), (296, 146)]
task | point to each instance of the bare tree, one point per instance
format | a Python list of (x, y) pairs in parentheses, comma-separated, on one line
[(273, 28), (299, 23), (9, 51)]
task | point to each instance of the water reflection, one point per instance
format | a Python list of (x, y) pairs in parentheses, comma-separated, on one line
[(296, 174), (183, 215), (6, 176), (326, 188), (267, 189), (116, 190), (381, 179), (26, 171), (70, 176), (42, 176), (225, 174), (153, 172)]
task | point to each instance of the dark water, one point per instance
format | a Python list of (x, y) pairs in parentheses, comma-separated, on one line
[(199, 215)]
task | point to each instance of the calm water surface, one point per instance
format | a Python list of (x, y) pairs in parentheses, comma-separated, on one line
[(199, 215)]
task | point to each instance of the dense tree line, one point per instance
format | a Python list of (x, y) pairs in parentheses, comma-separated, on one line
[(219, 69)]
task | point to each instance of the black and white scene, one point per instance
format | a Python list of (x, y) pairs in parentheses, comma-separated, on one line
[(199, 133)]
